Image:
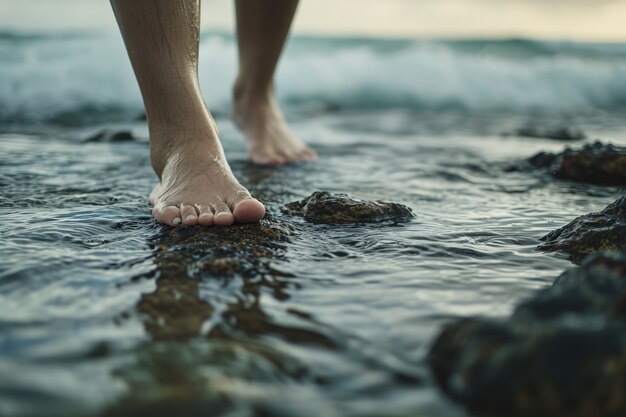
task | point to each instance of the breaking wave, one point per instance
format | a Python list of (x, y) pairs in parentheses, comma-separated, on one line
[(84, 77)]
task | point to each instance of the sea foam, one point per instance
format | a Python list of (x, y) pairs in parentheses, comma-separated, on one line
[(67, 78)]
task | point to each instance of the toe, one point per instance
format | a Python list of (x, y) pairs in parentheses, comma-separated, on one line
[(169, 215), (188, 214), (267, 159), (249, 210), (310, 154), (302, 156), (306, 154), (223, 215), (205, 215)]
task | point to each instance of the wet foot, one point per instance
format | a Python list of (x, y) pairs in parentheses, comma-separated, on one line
[(270, 141), (197, 185)]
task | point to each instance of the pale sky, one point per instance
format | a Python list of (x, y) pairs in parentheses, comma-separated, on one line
[(593, 20)]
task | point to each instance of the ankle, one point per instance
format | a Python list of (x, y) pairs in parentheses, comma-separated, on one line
[(173, 139), (247, 94)]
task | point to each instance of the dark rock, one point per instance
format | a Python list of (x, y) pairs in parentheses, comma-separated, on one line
[(330, 208), (594, 163), (561, 353), (227, 266), (227, 251), (243, 238), (187, 256), (207, 315), (591, 233), (559, 133), (107, 135)]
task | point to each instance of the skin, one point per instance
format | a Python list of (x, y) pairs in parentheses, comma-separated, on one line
[(262, 28), (197, 185)]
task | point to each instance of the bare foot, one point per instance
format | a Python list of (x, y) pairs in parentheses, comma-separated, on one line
[(197, 185), (270, 141)]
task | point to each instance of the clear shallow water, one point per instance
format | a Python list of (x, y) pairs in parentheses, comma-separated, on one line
[(104, 311)]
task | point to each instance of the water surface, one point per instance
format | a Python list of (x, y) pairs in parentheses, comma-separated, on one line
[(105, 312)]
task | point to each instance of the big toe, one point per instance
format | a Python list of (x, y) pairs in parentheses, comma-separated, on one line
[(249, 210)]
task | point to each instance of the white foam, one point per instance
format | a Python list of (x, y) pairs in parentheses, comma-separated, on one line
[(48, 77)]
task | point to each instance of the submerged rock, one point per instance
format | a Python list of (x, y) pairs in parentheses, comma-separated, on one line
[(596, 163), (559, 133), (226, 251), (189, 257), (561, 353), (591, 233), (250, 237), (331, 208), (108, 135)]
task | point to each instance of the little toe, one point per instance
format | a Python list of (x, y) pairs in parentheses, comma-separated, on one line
[(205, 215), (223, 215), (248, 210), (188, 214), (169, 215)]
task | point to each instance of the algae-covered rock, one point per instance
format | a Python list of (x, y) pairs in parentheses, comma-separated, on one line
[(187, 256), (331, 208), (595, 163), (243, 238), (594, 232), (562, 353)]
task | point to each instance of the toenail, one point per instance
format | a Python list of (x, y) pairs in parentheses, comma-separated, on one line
[(176, 221), (190, 217)]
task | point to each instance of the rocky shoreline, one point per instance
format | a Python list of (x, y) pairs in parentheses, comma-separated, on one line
[(562, 352)]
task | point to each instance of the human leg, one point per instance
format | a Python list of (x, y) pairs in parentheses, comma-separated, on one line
[(262, 28), (196, 182)]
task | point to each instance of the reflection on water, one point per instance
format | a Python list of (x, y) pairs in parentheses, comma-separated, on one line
[(102, 311), (202, 335)]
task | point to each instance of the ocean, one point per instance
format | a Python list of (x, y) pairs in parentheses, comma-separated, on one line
[(74, 78), (105, 312)]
